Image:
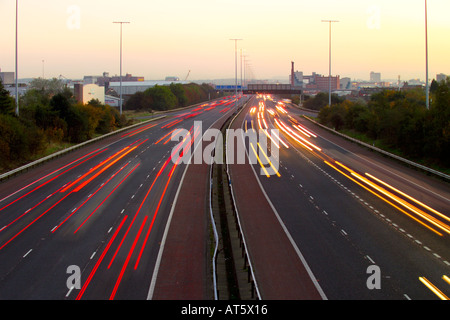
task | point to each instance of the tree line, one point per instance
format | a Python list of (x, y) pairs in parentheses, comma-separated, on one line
[(49, 116), (176, 95), (400, 121)]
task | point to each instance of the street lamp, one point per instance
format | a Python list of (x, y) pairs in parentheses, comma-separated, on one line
[(235, 69), (242, 85), (120, 102), (329, 77), (426, 57), (17, 83)]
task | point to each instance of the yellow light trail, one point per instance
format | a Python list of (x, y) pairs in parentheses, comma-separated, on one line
[(378, 191), (409, 197), (270, 162), (433, 288), (81, 186), (301, 131), (143, 129), (259, 160), (279, 139), (290, 133), (92, 170), (268, 135), (306, 130), (164, 136), (382, 198), (400, 201)]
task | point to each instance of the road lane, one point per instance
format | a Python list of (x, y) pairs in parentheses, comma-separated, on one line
[(280, 270)]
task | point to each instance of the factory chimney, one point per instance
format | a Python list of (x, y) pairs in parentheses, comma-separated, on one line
[(292, 74)]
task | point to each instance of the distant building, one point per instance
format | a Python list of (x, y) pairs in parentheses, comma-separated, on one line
[(375, 77), (112, 101), (127, 78), (298, 79), (7, 78), (105, 79), (172, 79), (411, 86), (309, 79), (86, 92), (441, 77), (322, 83), (345, 83), (130, 88)]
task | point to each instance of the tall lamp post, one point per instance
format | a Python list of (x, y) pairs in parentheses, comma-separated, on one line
[(17, 83), (235, 69), (329, 77), (120, 102), (242, 85), (426, 57)]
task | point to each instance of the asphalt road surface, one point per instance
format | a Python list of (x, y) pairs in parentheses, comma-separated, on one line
[(323, 217), (360, 237), (89, 225)]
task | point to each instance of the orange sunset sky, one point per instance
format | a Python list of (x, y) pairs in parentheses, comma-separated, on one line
[(168, 38)]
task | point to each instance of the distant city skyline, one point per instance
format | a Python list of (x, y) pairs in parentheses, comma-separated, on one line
[(176, 38)]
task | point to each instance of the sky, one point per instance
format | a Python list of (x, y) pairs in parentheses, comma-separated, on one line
[(74, 38)]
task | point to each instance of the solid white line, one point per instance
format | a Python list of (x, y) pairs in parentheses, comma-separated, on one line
[(166, 230), (294, 245)]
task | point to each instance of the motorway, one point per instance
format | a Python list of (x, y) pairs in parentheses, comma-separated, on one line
[(364, 226), (323, 218), (89, 225)]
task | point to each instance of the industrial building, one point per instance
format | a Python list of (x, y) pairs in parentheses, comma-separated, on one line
[(375, 77), (86, 92), (7, 78), (130, 88), (314, 82), (105, 79)]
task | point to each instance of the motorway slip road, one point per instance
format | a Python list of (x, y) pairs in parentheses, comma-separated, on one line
[(280, 272)]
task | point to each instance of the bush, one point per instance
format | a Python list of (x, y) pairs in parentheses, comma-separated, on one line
[(19, 141), (400, 121), (175, 95)]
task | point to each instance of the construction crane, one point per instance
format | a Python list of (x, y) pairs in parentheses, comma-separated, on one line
[(187, 75), (65, 82)]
